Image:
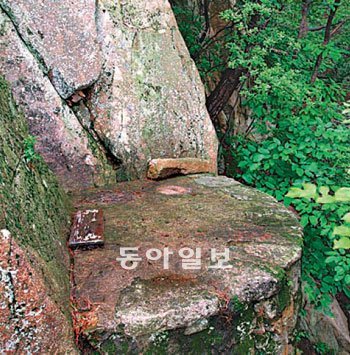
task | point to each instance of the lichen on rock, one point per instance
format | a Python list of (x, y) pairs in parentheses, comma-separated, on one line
[(252, 304), (34, 260), (149, 102), (62, 36)]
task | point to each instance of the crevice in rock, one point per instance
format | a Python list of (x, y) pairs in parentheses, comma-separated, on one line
[(48, 72), (40, 60), (85, 96), (71, 101)]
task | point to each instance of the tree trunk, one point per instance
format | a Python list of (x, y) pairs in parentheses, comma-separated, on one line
[(229, 82), (304, 27), (327, 38)]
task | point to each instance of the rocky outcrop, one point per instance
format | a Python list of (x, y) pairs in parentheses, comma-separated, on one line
[(331, 329), (107, 88), (29, 318), (34, 262), (249, 303), (107, 78), (149, 102), (66, 147)]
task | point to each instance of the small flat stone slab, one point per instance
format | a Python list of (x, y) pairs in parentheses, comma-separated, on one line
[(164, 168), (87, 229)]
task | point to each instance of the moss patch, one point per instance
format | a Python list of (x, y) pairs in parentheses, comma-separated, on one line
[(33, 208)]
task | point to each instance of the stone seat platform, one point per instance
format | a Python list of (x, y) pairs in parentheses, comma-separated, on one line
[(238, 309)]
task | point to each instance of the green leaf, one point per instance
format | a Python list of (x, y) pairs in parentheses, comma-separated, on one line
[(342, 243), (331, 259), (338, 278), (294, 192), (343, 194), (324, 190), (326, 199), (346, 218), (300, 171), (304, 220), (343, 231), (309, 191), (313, 220)]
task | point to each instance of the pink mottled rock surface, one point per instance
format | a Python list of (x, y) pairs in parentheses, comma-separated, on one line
[(131, 93), (62, 35), (149, 102), (61, 140), (30, 322), (131, 307)]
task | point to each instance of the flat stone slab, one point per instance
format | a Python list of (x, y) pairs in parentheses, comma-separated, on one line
[(87, 229), (160, 224), (164, 168)]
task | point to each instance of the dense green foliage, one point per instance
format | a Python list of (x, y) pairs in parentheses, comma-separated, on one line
[(325, 216), (298, 132)]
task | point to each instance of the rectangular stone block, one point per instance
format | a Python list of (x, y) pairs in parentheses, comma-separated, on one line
[(87, 229), (164, 168)]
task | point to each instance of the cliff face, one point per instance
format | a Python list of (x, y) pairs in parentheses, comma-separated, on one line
[(33, 257), (105, 78)]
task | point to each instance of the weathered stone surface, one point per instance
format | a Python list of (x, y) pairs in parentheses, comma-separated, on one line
[(132, 308), (123, 69), (163, 168), (87, 229), (34, 280), (145, 102), (149, 102), (333, 331), (61, 140), (62, 35), (29, 320)]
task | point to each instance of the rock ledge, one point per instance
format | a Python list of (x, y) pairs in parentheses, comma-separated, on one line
[(250, 301)]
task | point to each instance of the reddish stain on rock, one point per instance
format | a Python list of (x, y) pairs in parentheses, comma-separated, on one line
[(174, 190)]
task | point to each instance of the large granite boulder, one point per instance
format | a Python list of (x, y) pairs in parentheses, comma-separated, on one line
[(250, 305), (64, 144), (105, 78), (150, 101)]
